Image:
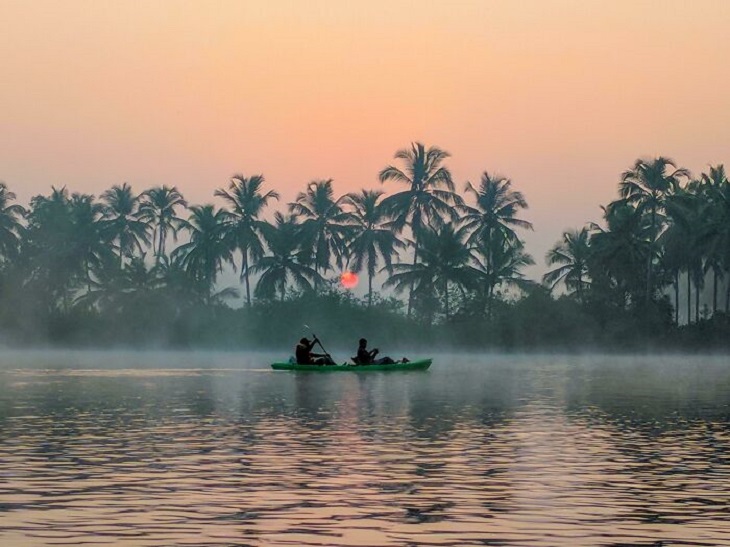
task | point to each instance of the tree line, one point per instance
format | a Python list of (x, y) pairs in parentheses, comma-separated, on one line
[(665, 226), (138, 268)]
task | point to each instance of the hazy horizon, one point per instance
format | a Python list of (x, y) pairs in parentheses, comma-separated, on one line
[(559, 96)]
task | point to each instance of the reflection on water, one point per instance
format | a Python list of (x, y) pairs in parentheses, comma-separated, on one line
[(174, 449)]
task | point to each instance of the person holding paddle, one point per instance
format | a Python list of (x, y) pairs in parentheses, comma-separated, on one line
[(305, 356), (367, 357)]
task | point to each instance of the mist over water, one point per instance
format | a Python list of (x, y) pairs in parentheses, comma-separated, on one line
[(148, 449)]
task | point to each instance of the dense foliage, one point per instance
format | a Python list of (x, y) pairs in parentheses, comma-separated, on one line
[(145, 270)]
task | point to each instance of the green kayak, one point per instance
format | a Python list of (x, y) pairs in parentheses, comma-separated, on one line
[(421, 364)]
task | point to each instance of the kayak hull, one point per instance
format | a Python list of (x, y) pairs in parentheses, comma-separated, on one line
[(421, 364)]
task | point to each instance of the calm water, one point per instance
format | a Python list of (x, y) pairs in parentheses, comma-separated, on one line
[(159, 449)]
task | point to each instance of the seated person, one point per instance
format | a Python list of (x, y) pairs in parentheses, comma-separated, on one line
[(305, 356), (367, 357)]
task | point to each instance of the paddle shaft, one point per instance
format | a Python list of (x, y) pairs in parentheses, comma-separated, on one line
[(321, 346), (320, 343)]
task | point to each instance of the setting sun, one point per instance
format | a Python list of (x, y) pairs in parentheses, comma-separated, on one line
[(349, 280)]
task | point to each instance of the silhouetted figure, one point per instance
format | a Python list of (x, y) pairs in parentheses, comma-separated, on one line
[(305, 356), (367, 357)]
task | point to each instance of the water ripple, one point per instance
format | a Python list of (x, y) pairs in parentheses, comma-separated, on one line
[(538, 453)]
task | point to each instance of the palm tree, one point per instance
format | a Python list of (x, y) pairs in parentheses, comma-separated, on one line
[(505, 268), (370, 241), (245, 198), (323, 225), (620, 250), (647, 185), (283, 261), (429, 199), (121, 216), (91, 245), (446, 261), (113, 289), (157, 209), (496, 208), (675, 243), (179, 287), (11, 227), (509, 263), (46, 248), (493, 220), (696, 264), (682, 240), (716, 233), (139, 277), (571, 255), (65, 242), (207, 251)]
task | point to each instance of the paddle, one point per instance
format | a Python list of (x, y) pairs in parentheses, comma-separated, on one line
[(320, 344)]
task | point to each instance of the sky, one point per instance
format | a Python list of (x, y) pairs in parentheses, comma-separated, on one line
[(560, 96)]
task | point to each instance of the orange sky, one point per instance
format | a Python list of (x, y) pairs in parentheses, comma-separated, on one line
[(561, 96)]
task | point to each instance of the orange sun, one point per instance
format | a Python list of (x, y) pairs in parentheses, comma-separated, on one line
[(349, 280)]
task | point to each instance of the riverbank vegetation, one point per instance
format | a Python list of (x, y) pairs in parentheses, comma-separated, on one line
[(443, 263)]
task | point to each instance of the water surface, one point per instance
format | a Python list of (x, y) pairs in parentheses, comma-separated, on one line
[(150, 449)]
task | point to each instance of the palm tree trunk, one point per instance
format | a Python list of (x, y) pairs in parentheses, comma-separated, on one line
[(651, 253), (490, 283), (316, 279), (153, 244), (210, 282), (689, 298), (580, 288), (697, 295), (160, 244), (370, 289), (415, 261), (158, 251), (416, 227), (727, 292), (714, 290), (676, 297), (244, 273)]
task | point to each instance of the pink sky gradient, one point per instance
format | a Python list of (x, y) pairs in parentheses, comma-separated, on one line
[(560, 96)]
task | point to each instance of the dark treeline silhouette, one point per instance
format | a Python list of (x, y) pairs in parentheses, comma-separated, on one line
[(128, 269)]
